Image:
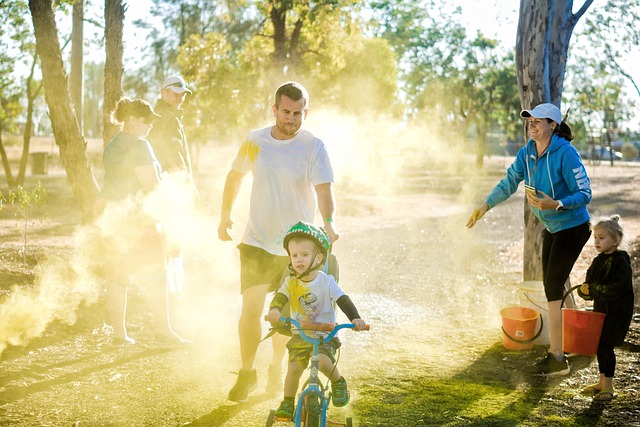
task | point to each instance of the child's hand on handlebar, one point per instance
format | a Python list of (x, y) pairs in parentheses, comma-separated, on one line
[(274, 315), (360, 325)]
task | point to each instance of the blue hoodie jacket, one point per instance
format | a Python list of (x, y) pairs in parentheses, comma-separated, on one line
[(559, 173)]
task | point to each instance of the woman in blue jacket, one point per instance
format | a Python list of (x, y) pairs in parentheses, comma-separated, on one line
[(558, 190)]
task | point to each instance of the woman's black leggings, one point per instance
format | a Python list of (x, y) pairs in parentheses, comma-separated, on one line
[(606, 361), (559, 252)]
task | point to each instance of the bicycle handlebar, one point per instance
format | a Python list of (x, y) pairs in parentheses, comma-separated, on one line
[(309, 325)]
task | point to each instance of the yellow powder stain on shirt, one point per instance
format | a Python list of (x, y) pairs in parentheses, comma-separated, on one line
[(297, 289), (249, 149)]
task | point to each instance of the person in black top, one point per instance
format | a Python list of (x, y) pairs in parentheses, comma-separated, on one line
[(609, 284)]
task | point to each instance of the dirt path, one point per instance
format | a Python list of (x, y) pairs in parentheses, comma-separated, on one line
[(431, 289)]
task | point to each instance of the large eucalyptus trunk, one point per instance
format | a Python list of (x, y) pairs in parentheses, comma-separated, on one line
[(113, 68), (66, 131), (542, 43)]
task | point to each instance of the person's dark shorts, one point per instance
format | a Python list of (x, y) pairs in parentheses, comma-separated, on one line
[(301, 350), (259, 267)]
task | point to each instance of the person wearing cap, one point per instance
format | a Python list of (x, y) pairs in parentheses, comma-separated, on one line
[(132, 243), (292, 178), (169, 142), (168, 137), (558, 190)]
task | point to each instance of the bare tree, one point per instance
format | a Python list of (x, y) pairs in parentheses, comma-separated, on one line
[(542, 43), (113, 67), (63, 120), (76, 75)]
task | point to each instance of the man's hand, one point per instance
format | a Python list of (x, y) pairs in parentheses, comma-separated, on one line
[(223, 234), (331, 232)]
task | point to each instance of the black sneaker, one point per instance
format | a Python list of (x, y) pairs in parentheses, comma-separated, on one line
[(551, 367), (274, 379), (285, 410), (339, 393), (246, 383)]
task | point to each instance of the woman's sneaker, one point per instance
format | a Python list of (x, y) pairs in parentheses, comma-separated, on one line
[(339, 392), (551, 367), (246, 383), (285, 410)]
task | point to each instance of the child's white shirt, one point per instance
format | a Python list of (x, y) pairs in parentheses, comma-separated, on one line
[(315, 300)]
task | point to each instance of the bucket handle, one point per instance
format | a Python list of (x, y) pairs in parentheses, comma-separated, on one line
[(528, 340), (573, 288), (532, 302)]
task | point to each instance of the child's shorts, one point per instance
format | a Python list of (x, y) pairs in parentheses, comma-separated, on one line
[(301, 350)]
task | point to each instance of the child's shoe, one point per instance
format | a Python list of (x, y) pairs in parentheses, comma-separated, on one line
[(246, 382), (285, 410), (339, 392)]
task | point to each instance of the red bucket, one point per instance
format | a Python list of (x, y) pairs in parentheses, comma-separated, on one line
[(519, 327), (581, 329)]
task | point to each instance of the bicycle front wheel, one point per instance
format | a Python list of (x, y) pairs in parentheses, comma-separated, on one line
[(312, 411)]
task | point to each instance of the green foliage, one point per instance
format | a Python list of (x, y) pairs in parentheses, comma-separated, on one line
[(25, 202), (596, 79), (324, 50), (463, 86)]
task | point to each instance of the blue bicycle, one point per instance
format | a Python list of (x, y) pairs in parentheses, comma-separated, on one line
[(311, 409)]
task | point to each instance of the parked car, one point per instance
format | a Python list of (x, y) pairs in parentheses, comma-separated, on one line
[(598, 152)]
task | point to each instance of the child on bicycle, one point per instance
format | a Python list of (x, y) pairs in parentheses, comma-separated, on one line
[(312, 295), (609, 284)]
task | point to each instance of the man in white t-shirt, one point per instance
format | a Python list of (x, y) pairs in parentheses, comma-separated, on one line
[(292, 177)]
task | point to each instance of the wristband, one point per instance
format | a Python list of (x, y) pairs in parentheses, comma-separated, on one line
[(328, 219)]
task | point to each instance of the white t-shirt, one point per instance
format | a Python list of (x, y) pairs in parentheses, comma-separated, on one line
[(285, 174), (315, 300)]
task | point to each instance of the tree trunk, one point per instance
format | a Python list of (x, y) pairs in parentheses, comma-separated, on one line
[(76, 76), (542, 43), (5, 163), (113, 68), (63, 121), (32, 94)]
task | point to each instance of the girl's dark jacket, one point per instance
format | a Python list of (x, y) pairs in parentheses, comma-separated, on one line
[(610, 287)]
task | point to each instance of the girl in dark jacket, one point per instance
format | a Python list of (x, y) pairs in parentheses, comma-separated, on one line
[(609, 285)]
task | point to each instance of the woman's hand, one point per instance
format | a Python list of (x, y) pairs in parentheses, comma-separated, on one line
[(477, 214), (542, 202)]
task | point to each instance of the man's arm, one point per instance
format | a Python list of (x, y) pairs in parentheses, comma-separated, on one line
[(327, 209), (229, 195)]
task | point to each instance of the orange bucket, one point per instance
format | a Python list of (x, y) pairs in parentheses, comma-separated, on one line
[(581, 331), (519, 327)]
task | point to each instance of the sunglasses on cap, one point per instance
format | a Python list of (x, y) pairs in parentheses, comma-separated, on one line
[(176, 84)]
